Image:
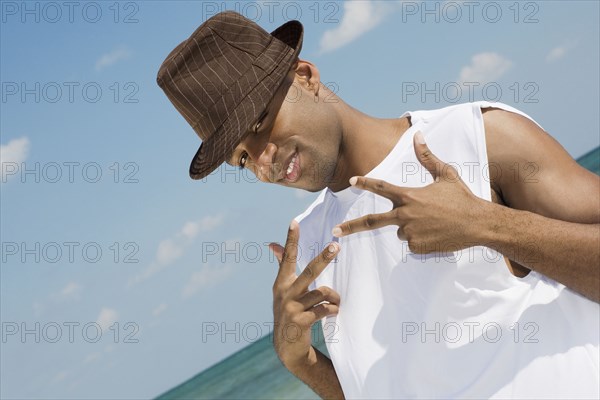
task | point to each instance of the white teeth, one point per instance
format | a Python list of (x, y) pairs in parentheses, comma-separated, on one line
[(291, 166)]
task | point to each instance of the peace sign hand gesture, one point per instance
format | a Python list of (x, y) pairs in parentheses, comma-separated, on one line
[(439, 217), (295, 309)]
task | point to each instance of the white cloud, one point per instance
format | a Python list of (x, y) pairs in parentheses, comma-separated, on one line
[(109, 59), (158, 310), (106, 318), (190, 229), (92, 357), (171, 249), (60, 376), (71, 290), (556, 53), (485, 68), (359, 18), (15, 151), (168, 251), (206, 277), (560, 51)]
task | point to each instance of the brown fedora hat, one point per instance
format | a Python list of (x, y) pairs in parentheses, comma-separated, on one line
[(223, 77)]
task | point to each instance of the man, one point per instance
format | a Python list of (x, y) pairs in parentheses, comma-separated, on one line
[(466, 269)]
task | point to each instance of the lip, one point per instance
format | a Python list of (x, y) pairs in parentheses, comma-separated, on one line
[(287, 164)]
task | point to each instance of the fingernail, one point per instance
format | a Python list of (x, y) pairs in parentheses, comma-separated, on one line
[(353, 180), (337, 231), (420, 138), (332, 248), (293, 225)]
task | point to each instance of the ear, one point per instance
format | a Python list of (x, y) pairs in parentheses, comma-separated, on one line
[(307, 74)]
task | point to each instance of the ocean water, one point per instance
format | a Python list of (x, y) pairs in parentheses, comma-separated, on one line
[(255, 372), (591, 160)]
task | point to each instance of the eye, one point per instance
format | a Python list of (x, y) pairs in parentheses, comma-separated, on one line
[(243, 159)]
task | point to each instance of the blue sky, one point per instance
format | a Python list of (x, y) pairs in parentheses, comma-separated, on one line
[(101, 226)]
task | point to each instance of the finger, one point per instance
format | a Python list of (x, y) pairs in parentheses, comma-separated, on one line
[(322, 310), (277, 250), (377, 186), (319, 295), (314, 268), (290, 252), (400, 234), (365, 223), (436, 167)]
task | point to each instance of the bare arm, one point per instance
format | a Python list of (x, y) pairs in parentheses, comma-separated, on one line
[(295, 311), (552, 222), (567, 252), (318, 373)]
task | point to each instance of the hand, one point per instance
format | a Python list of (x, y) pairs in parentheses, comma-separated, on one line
[(295, 309), (440, 217)]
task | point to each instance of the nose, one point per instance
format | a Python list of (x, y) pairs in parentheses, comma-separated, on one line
[(265, 168)]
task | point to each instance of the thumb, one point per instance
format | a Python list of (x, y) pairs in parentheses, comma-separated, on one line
[(277, 249), (435, 166)]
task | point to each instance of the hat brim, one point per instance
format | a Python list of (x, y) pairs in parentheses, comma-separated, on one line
[(215, 150)]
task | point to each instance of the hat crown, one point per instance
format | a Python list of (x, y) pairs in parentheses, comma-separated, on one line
[(207, 67)]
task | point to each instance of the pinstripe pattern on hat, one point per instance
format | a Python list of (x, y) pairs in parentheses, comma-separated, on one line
[(223, 77)]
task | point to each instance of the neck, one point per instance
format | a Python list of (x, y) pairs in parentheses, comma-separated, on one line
[(366, 141)]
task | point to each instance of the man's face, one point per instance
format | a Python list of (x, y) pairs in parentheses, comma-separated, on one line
[(296, 143)]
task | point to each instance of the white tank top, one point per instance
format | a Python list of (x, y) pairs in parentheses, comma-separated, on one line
[(444, 325)]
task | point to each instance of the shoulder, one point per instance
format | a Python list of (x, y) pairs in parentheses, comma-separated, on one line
[(532, 171), (515, 138)]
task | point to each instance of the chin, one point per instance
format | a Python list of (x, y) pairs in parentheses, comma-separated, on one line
[(315, 188), (301, 186)]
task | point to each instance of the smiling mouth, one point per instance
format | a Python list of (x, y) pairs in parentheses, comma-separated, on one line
[(293, 171)]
